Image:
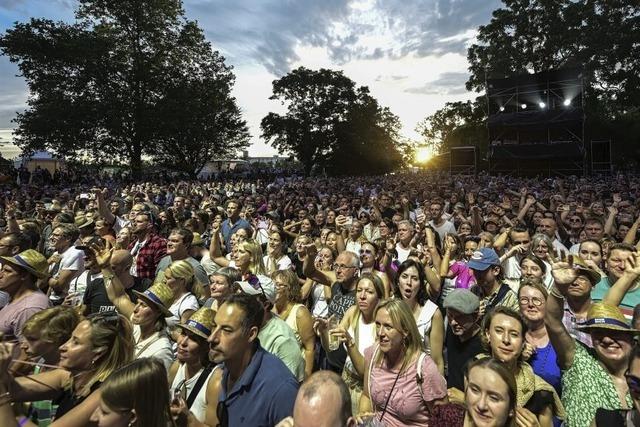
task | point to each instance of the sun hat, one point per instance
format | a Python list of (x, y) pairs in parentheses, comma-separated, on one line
[(31, 260), (606, 316), (197, 239), (462, 300), (483, 258), (584, 270), (159, 295), (200, 322), (259, 285)]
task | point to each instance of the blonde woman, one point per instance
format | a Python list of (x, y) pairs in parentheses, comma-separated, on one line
[(288, 307), (401, 383), (98, 346), (181, 279)]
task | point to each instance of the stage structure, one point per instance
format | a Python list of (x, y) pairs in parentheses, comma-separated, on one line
[(536, 123)]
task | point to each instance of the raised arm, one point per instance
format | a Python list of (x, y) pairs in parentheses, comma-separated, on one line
[(563, 343), (630, 237), (309, 269), (103, 209), (113, 285), (616, 293)]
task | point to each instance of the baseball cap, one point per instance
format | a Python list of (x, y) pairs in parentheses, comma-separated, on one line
[(259, 285), (483, 258)]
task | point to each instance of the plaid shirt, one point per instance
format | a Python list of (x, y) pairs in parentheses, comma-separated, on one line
[(149, 255), (571, 322)]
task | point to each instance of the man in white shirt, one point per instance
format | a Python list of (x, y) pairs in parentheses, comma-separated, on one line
[(66, 263), (439, 224)]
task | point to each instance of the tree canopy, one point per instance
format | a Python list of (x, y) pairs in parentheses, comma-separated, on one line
[(332, 124), (126, 80)]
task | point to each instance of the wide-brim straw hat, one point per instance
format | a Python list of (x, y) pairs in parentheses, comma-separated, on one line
[(158, 295), (200, 322), (606, 316), (30, 260), (583, 269)]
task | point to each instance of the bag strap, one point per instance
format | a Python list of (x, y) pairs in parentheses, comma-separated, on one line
[(419, 378), (373, 357), (198, 385)]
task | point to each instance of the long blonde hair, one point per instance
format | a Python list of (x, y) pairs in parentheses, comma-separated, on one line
[(256, 265), (181, 269), (403, 320)]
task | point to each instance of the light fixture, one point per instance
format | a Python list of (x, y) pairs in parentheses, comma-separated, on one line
[(542, 104), (501, 108), (566, 102), (523, 106)]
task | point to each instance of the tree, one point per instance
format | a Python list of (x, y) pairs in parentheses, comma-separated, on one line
[(537, 35), (457, 123), (331, 124), (105, 85)]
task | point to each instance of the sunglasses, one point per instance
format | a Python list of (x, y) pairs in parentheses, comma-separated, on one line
[(366, 251)]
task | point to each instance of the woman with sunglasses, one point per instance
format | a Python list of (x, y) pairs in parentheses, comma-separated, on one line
[(98, 346), (412, 289), (189, 374), (401, 383), (135, 395), (369, 260)]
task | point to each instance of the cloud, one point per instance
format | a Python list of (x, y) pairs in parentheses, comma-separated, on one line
[(14, 93), (449, 83)]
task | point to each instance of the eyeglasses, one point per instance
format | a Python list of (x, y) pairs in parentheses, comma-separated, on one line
[(633, 382), (366, 251), (575, 220), (337, 267), (537, 302)]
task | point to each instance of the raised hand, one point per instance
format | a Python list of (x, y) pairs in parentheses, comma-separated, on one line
[(563, 271), (102, 254)]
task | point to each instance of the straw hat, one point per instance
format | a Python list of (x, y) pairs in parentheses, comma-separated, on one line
[(31, 260), (200, 322), (81, 221), (158, 295), (606, 316), (585, 270), (197, 239)]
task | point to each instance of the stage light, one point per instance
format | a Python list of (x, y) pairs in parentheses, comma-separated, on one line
[(566, 102), (501, 108), (523, 106), (542, 104)]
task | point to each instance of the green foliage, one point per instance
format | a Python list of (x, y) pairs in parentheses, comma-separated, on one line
[(330, 124), (127, 80), (537, 35)]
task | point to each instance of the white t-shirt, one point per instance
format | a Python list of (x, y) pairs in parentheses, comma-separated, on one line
[(157, 345), (283, 263), (424, 322), (71, 259), (443, 229), (186, 302)]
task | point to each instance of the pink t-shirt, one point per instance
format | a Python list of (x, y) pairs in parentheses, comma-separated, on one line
[(463, 274), (405, 407)]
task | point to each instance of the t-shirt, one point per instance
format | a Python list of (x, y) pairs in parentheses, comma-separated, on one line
[(71, 259), (15, 314), (278, 338), (630, 300), (458, 353), (405, 407), (341, 300), (157, 345), (95, 297), (282, 263), (463, 275), (586, 386), (443, 229), (186, 302)]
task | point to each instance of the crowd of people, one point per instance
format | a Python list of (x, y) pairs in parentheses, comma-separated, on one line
[(412, 299)]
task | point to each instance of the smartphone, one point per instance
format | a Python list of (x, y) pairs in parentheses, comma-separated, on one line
[(419, 212), (348, 222)]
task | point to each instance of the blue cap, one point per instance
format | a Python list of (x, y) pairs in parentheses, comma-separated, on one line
[(483, 258)]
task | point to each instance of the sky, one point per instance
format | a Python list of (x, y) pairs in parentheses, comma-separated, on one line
[(410, 53)]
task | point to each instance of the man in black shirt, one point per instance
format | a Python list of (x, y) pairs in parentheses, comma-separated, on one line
[(462, 340)]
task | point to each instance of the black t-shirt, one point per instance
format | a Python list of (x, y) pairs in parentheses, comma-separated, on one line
[(458, 355), (341, 300), (97, 301)]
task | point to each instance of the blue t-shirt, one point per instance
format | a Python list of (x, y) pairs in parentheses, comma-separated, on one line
[(630, 300), (263, 395)]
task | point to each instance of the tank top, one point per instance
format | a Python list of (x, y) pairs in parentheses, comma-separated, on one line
[(364, 337), (179, 382), (292, 321), (319, 306), (424, 322)]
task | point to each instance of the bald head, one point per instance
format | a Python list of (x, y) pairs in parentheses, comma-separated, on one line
[(121, 261), (323, 401)]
